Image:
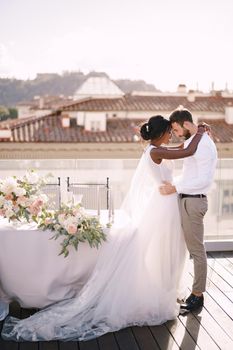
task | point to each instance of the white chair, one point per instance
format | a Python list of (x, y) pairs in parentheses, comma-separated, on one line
[(53, 191), (93, 196)]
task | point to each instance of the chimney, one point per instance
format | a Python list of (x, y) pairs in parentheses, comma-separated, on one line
[(182, 89), (191, 96)]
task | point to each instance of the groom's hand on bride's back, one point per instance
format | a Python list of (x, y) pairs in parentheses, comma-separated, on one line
[(167, 188)]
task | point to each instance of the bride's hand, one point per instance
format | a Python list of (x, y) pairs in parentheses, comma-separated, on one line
[(207, 128), (192, 128), (204, 125)]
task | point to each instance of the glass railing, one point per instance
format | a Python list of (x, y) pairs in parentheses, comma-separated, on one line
[(218, 220)]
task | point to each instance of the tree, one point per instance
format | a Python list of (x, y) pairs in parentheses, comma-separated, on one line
[(8, 113), (13, 113)]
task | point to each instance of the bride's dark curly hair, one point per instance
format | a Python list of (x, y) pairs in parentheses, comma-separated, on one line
[(155, 128)]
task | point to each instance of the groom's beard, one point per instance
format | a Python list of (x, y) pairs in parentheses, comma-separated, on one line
[(187, 134)]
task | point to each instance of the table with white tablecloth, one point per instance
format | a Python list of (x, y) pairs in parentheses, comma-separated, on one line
[(34, 274), (31, 270)]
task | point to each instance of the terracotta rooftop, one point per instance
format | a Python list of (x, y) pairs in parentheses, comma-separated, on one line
[(120, 130), (222, 131), (151, 103), (49, 129)]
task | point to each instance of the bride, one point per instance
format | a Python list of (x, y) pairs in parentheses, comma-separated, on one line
[(137, 278)]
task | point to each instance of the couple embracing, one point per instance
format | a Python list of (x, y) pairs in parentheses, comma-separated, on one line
[(139, 274)]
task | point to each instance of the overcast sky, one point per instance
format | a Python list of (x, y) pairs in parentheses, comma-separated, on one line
[(165, 42)]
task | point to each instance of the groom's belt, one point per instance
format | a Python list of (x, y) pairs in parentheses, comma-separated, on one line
[(183, 195)]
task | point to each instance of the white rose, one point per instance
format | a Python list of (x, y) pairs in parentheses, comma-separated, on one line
[(32, 177), (71, 220), (9, 213), (9, 185), (61, 219), (19, 191)]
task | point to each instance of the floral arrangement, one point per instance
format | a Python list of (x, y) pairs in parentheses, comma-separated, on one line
[(20, 198), (72, 222)]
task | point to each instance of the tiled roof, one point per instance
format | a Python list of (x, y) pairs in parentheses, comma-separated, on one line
[(49, 129), (10, 123), (222, 132), (151, 103), (120, 130)]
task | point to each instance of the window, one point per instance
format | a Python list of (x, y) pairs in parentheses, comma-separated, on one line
[(226, 199), (95, 125), (73, 122)]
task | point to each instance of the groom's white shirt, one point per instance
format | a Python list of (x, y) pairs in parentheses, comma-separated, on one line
[(198, 170)]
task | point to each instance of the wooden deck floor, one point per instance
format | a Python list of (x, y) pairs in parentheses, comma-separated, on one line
[(209, 329)]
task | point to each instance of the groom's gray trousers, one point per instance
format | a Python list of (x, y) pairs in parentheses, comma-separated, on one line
[(192, 214)]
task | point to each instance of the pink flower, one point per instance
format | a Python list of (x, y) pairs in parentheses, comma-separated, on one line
[(48, 221), (38, 202), (34, 210), (72, 229), (35, 207), (22, 201), (9, 197)]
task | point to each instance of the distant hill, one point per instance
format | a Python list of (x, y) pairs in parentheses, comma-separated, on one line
[(13, 91), (128, 86)]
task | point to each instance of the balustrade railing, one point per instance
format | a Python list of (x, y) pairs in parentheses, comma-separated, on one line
[(86, 172)]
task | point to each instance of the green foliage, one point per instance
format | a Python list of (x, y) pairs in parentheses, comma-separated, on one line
[(13, 113), (8, 113), (73, 225), (4, 111)]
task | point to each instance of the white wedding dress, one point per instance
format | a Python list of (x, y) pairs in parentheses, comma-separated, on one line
[(136, 280)]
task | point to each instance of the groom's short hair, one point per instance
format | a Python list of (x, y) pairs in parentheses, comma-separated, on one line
[(180, 116)]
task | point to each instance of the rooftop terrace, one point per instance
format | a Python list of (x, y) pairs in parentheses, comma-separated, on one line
[(209, 328)]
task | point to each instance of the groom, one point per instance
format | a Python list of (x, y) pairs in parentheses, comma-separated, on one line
[(192, 187)]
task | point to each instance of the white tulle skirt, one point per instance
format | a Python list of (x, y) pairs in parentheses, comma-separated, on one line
[(137, 280)]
